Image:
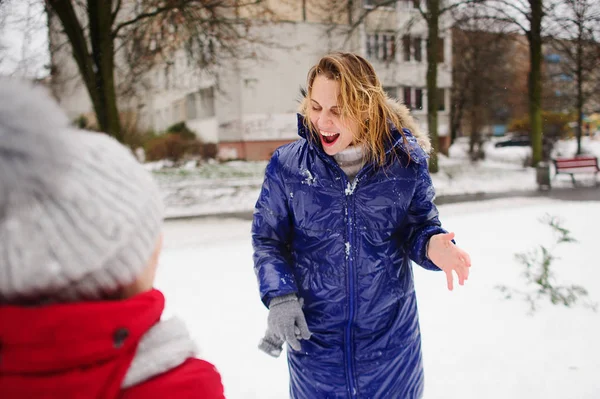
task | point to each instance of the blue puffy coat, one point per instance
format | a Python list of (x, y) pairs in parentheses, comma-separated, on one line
[(346, 249)]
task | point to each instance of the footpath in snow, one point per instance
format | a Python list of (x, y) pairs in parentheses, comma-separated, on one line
[(233, 187)]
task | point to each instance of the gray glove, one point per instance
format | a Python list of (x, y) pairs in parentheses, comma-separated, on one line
[(271, 344), (286, 322)]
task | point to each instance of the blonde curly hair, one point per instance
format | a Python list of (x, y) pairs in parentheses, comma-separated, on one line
[(361, 99)]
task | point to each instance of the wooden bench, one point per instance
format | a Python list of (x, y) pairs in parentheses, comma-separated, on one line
[(570, 166)]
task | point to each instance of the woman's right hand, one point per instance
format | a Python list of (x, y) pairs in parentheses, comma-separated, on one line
[(286, 320)]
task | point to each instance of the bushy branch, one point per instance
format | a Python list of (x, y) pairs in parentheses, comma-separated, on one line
[(541, 281)]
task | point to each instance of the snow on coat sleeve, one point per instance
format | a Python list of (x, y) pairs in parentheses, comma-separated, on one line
[(422, 219), (271, 230)]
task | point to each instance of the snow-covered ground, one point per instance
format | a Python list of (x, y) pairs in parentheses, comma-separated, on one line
[(476, 344), (234, 186)]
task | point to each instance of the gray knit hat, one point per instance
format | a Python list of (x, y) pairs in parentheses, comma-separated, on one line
[(79, 216)]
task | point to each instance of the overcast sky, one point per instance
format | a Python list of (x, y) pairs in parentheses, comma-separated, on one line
[(23, 38)]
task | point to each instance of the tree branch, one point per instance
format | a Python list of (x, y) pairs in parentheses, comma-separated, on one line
[(143, 16), (453, 6), (72, 28), (116, 11), (508, 4), (505, 17)]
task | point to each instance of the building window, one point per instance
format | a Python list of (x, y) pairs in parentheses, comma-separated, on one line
[(414, 97), (391, 91), (441, 98), (564, 77), (412, 48), (407, 97), (418, 54), (410, 4), (206, 102), (190, 106), (418, 98), (406, 48), (200, 104), (167, 79), (379, 3), (553, 58), (381, 46)]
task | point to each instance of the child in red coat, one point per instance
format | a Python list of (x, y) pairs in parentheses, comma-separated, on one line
[(80, 237)]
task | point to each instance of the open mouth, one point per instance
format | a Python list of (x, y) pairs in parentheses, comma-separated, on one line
[(329, 138)]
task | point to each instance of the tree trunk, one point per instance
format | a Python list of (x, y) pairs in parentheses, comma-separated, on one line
[(456, 114), (580, 101), (100, 20), (96, 67), (350, 7), (72, 29), (304, 10), (433, 11), (535, 80), (473, 139)]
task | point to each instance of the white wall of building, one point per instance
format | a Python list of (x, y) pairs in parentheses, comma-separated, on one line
[(261, 98), (180, 93)]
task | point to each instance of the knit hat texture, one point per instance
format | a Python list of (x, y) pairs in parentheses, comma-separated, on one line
[(79, 215)]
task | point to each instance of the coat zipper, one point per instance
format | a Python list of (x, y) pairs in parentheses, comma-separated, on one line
[(349, 351), (349, 192)]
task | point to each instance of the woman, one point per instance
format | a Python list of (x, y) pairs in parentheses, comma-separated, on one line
[(341, 214)]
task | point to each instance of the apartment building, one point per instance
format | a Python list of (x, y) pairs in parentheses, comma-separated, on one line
[(249, 106)]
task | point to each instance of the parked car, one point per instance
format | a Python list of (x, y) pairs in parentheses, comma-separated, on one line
[(515, 141)]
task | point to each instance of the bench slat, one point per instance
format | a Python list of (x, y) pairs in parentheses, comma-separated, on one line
[(570, 163), (575, 165)]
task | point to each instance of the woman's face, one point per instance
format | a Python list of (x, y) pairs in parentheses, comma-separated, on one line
[(324, 114)]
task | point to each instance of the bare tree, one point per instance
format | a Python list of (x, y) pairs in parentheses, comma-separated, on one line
[(527, 16), (148, 32), (480, 74), (431, 14), (576, 38)]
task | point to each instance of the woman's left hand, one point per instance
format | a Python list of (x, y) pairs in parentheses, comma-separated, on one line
[(448, 257)]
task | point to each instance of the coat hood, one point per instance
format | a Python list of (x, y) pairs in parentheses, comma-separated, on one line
[(79, 347), (408, 122)]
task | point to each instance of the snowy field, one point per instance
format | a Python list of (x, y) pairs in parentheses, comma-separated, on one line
[(476, 343), (234, 186)]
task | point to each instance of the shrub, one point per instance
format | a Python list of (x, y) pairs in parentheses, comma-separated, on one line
[(556, 124), (86, 121), (178, 143), (182, 130), (209, 151), (134, 138), (81, 122), (169, 146)]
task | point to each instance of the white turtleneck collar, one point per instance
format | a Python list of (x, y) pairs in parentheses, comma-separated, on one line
[(350, 160)]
